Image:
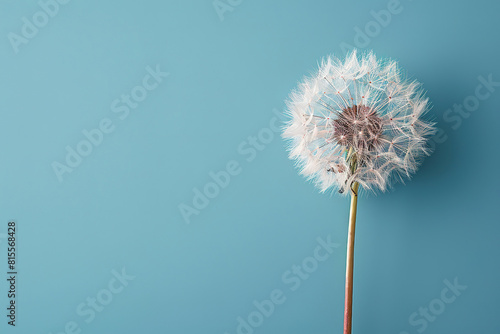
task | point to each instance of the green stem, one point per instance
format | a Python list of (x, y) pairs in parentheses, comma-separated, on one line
[(350, 260), (350, 246)]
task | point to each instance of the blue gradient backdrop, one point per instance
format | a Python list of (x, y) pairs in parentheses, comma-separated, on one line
[(120, 207)]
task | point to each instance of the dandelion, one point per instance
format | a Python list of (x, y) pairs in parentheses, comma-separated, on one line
[(357, 123)]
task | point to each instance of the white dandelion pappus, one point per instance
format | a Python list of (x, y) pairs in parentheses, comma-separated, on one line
[(358, 120)]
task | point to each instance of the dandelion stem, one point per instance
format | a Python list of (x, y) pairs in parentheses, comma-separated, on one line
[(350, 260)]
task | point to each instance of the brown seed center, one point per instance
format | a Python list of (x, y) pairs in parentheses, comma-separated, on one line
[(358, 127)]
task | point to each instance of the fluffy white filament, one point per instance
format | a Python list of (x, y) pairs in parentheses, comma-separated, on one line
[(389, 111)]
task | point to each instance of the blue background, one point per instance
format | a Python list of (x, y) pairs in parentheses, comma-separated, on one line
[(120, 207)]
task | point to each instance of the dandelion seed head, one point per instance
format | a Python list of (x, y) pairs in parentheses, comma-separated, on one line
[(360, 109)]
